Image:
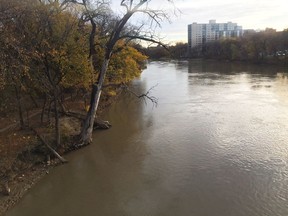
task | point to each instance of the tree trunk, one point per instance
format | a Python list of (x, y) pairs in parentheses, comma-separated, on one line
[(57, 123), (43, 109), (18, 97), (87, 128), (49, 109), (33, 100), (62, 106)]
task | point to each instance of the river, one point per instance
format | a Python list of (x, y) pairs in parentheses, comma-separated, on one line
[(216, 145)]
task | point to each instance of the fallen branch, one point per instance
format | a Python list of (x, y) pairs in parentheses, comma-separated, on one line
[(144, 96), (76, 115), (98, 124), (63, 160)]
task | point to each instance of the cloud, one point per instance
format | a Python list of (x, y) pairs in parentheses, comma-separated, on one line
[(247, 13)]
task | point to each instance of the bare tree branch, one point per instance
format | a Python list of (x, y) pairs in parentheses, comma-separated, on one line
[(156, 16), (143, 38), (145, 96)]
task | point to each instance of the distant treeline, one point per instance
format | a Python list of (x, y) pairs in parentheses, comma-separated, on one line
[(267, 46)]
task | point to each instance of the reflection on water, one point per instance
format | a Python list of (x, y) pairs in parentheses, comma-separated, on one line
[(216, 144)]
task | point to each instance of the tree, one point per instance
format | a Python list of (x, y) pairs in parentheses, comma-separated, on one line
[(157, 52), (14, 55), (120, 31), (60, 55), (125, 65), (45, 49)]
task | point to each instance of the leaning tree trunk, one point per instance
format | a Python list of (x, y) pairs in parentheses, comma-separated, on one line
[(87, 128), (56, 113)]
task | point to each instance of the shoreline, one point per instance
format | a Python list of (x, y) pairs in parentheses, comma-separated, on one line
[(21, 180), (21, 183)]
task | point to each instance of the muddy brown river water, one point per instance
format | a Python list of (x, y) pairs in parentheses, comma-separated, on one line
[(216, 145)]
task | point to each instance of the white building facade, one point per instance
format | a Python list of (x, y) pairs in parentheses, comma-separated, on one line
[(199, 34)]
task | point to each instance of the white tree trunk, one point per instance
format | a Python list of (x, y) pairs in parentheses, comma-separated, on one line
[(87, 129)]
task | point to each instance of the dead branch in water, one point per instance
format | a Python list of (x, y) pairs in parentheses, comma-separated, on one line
[(144, 96)]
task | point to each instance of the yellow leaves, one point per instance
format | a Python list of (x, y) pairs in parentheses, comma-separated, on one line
[(55, 53), (125, 65), (111, 93), (47, 42)]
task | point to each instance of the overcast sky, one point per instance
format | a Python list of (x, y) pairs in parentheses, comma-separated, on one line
[(250, 14)]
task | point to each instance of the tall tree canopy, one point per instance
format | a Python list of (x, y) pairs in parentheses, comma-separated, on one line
[(120, 31), (48, 46)]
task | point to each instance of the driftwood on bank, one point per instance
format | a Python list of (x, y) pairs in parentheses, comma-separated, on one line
[(98, 123), (4, 186), (63, 160), (6, 189), (4, 183)]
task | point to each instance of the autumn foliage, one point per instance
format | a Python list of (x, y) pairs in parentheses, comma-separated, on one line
[(45, 54)]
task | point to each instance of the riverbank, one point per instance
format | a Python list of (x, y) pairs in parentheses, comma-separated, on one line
[(24, 160), (21, 183)]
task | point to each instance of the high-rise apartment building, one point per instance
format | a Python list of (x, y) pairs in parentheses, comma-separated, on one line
[(199, 34)]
